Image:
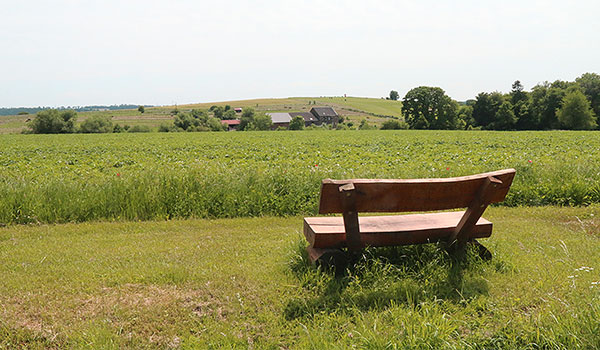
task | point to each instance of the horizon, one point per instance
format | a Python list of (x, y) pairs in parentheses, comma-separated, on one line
[(164, 53)]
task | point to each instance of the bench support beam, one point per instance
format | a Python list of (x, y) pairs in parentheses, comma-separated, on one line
[(460, 236), (351, 226)]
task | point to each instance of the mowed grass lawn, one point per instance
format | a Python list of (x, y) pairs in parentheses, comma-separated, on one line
[(242, 283)]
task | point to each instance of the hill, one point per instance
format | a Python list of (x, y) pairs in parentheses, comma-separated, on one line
[(354, 109)]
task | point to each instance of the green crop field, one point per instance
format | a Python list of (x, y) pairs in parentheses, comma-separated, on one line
[(74, 178), (193, 241)]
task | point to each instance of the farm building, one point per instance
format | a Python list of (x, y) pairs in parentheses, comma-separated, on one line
[(326, 115), (238, 110), (309, 118), (280, 120), (232, 124)]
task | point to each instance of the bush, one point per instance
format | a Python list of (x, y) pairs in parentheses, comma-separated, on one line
[(52, 121), (96, 125), (118, 129), (251, 120), (197, 120), (297, 123), (394, 124), (140, 128), (168, 128), (141, 109), (365, 126)]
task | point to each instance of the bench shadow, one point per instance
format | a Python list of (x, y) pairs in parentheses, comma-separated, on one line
[(379, 277)]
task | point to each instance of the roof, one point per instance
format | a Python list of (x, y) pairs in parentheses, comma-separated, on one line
[(230, 122), (280, 117), (308, 117), (323, 112)]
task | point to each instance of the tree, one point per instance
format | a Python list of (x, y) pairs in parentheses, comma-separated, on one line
[(297, 123), (96, 124), (517, 94), (141, 109), (427, 107), (465, 116), (246, 119), (218, 111), (229, 114), (52, 121), (504, 119), (262, 122), (394, 95), (590, 84), (526, 118), (485, 107), (576, 112)]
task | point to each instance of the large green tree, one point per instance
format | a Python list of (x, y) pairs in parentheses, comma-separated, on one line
[(576, 112), (428, 107), (505, 118), (485, 108), (590, 84), (394, 95)]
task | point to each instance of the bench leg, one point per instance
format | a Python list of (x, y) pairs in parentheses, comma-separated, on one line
[(458, 249), (328, 257), (483, 252)]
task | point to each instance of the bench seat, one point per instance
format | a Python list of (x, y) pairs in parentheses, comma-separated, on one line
[(376, 231)]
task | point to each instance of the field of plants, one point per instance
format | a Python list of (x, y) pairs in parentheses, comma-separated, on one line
[(76, 178)]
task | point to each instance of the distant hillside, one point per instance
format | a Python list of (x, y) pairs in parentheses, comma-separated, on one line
[(33, 110), (352, 109)]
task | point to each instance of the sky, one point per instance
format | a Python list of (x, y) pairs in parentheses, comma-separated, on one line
[(74, 53)]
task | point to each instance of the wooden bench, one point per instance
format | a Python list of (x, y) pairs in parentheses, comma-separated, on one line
[(327, 235)]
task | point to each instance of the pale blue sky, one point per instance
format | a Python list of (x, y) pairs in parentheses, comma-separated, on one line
[(163, 52)]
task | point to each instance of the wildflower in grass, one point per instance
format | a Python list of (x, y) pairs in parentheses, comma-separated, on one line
[(530, 161), (447, 168), (118, 174)]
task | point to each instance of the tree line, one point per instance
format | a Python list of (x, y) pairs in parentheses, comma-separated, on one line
[(558, 105)]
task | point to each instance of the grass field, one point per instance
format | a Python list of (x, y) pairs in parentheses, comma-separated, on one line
[(75, 178), (243, 283), (352, 108)]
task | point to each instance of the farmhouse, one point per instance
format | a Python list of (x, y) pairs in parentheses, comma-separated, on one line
[(325, 115), (280, 120), (238, 110)]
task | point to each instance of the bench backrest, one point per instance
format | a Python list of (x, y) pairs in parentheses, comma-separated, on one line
[(413, 195)]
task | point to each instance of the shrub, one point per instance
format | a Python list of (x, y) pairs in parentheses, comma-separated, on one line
[(141, 109), (140, 128), (297, 123), (96, 124), (251, 120), (394, 124), (168, 128), (365, 126), (52, 121), (118, 129)]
